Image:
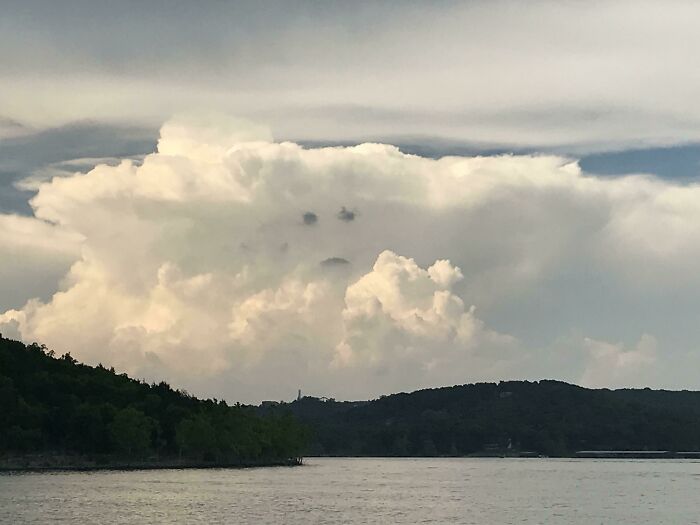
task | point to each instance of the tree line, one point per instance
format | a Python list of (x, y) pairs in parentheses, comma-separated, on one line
[(542, 417), (53, 404)]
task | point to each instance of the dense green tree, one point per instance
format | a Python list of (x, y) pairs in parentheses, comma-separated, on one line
[(57, 405), (131, 431), (545, 417), (196, 437)]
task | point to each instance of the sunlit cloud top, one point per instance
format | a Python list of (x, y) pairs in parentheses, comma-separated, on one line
[(353, 198), (236, 265)]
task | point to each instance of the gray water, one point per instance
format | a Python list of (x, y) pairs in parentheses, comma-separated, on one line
[(478, 491)]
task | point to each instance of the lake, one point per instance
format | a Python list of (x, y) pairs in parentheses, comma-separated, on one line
[(475, 491)]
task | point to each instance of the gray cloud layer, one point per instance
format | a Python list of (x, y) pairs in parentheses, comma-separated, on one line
[(577, 75)]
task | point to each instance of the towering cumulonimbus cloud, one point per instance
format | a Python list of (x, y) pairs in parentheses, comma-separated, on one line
[(403, 317), (199, 265)]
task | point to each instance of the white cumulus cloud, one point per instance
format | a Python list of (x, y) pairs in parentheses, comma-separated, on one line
[(198, 265), (613, 365)]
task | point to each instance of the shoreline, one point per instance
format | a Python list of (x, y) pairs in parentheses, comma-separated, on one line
[(59, 463), (652, 455), (73, 464)]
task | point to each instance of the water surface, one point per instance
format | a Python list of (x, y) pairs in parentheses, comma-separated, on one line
[(468, 491)]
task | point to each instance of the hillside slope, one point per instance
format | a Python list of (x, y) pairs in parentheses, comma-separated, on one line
[(545, 417), (57, 406)]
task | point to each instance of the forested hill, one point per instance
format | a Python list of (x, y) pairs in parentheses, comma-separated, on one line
[(51, 406), (546, 417)]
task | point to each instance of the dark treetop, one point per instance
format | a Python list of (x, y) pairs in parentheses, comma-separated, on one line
[(516, 417), (55, 405)]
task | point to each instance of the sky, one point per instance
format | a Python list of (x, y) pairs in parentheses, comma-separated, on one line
[(353, 199)]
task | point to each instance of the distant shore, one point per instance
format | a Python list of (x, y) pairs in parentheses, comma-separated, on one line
[(584, 454), (43, 463)]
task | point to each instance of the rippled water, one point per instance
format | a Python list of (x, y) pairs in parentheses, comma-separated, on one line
[(478, 491)]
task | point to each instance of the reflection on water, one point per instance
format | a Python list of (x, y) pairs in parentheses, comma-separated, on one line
[(478, 491)]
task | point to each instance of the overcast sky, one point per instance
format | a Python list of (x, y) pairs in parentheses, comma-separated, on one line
[(353, 198)]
